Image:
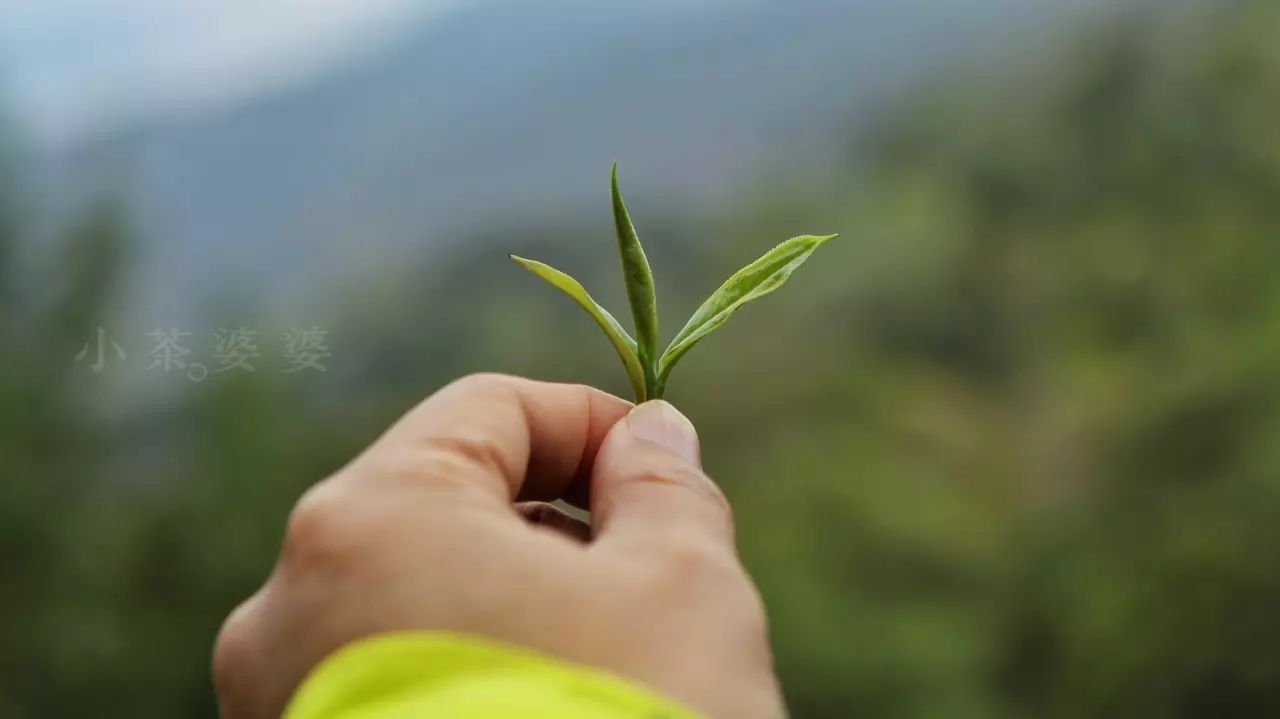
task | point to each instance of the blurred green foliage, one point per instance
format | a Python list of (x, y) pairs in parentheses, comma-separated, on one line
[(1011, 450)]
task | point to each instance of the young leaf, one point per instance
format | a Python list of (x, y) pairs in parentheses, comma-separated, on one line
[(639, 281), (751, 282), (622, 342)]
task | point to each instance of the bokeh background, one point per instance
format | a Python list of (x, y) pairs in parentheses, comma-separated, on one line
[(1008, 448)]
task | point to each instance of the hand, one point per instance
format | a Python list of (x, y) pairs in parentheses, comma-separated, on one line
[(422, 532)]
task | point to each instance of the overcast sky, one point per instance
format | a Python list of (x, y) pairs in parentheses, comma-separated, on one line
[(70, 67)]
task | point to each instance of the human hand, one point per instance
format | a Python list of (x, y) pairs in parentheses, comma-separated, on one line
[(422, 531)]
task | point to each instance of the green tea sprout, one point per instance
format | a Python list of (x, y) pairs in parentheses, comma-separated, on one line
[(647, 369)]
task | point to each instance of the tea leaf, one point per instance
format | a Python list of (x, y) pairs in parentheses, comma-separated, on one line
[(751, 282), (622, 342), (639, 281)]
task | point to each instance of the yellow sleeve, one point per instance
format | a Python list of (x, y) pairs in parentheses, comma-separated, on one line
[(454, 676)]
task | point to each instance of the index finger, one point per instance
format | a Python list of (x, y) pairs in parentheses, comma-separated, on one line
[(499, 437)]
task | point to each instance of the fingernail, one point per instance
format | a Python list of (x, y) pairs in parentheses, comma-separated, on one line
[(657, 421)]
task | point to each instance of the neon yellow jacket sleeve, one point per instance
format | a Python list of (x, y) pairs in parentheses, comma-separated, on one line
[(454, 676)]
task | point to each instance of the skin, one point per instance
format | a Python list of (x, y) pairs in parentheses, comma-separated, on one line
[(442, 524)]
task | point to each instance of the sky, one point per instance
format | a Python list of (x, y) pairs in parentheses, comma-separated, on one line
[(71, 68)]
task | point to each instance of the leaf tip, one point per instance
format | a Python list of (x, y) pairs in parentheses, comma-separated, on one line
[(815, 241), (524, 262)]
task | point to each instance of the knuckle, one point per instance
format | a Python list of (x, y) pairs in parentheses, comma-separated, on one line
[(686, 559), (313, 535), (231, 656), (753, 613), (716, 496), (688, 565), (682, 476), (711, 500), (450, 455)]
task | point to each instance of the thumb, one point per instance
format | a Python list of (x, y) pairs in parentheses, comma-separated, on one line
[(647, 482)]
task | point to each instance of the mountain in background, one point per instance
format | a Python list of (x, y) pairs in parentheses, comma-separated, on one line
[(504, 111)]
